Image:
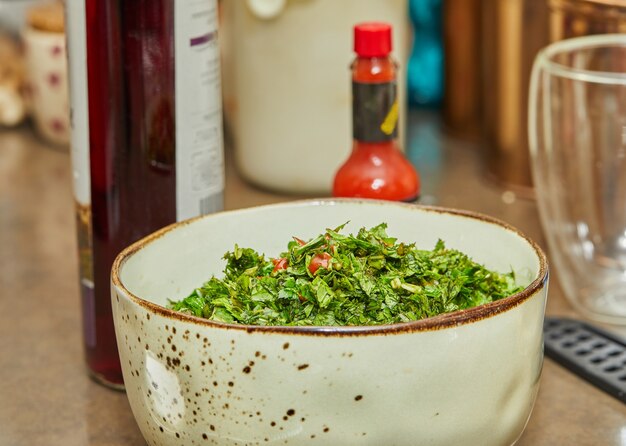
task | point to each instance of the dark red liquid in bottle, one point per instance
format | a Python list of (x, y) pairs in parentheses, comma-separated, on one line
[(130, 70)]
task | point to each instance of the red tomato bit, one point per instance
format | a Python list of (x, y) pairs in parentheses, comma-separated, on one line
[(279, 264), (320, 260)]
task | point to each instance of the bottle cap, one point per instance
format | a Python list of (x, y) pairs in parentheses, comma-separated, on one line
[(372, 39)]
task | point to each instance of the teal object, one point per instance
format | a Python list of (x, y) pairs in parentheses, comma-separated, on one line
[(426, 64)]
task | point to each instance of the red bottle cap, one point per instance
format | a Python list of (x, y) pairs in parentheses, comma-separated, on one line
[(372, 39)]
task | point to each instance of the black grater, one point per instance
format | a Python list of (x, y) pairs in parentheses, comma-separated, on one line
[(593, 354)]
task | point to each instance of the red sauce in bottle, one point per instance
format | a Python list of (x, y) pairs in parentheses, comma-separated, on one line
[(146, 138), (376, 167), (130, 68)]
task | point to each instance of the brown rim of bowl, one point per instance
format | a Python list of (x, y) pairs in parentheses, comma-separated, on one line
[(434, 323)]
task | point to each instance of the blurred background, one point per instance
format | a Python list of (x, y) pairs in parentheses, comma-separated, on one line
[(465, 67)]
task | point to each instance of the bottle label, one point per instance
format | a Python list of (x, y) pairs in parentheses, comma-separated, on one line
[(79, 118), (79, 112), (374, 111), (199, 140)]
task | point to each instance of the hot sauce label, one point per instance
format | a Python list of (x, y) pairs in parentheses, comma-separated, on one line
[(374, 111)]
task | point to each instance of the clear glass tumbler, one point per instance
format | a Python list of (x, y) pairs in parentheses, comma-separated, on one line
[(577, 135)]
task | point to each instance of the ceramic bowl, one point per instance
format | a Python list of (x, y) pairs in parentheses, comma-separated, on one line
[(468, 377)]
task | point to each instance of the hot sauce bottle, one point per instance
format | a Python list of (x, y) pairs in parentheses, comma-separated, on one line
[(376, 167)]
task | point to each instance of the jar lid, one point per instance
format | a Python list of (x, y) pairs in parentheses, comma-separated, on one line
[(47, 17), (372, 39)]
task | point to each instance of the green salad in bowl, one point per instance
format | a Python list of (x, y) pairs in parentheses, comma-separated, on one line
[(336, 279)]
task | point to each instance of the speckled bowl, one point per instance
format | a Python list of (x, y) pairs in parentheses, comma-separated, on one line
[(468, 377)]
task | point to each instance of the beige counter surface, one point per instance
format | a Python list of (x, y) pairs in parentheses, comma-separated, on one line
[(46, 397)]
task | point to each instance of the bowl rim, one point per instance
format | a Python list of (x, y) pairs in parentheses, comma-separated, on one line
[(442, 321)]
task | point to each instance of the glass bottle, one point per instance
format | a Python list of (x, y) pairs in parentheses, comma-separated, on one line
[(146, 137), (376, 167)]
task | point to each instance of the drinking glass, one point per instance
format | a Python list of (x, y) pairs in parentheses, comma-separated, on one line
[(577, 135)]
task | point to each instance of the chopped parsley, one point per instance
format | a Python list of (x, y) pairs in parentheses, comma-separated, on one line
[(335, 279)]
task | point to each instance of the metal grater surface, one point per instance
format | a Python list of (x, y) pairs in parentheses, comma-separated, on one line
[(593, 354)]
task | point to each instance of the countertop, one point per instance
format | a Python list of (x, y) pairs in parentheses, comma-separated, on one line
[(46, 397)]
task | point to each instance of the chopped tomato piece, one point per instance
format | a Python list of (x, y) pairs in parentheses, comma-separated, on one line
[(300, 241), (320, 260), (279, 264)]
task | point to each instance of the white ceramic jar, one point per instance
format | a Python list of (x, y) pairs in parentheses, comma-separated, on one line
[(46, 68), (287, 93), (47, 73)]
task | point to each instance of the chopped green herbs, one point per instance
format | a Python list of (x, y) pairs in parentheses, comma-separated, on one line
[(337, 279)]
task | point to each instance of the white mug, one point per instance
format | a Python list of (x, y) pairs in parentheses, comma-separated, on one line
[(46, 71)]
